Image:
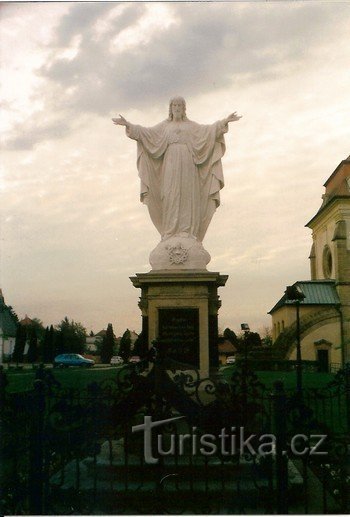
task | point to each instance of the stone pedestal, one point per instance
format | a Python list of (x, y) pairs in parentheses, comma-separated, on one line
[(181, 309), (179, 253)]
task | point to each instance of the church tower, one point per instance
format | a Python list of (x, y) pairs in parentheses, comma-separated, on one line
[(325, 308), (330, 252)]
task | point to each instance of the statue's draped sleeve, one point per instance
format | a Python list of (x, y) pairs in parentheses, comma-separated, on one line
[(208, 146), (151, 146)]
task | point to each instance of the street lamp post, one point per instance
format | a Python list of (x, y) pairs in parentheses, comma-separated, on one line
[(299, 363), (295, 294), (246, 330)]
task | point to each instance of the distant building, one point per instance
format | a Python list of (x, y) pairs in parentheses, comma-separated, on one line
[(26, 321), (226, 349), (8, 327), (92, 343), (325, 310), (133, 337), (30, 324)]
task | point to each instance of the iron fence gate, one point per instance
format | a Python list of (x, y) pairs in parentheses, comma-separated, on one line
[(67, 452)]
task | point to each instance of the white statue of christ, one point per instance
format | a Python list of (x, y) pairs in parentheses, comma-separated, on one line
[(179, 164)]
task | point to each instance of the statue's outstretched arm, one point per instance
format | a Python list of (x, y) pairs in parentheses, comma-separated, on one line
[(232, 118), (121, 121)]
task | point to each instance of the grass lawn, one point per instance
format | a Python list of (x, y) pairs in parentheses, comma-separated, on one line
[(327, 406), (68, 377), (330, 409), (310, 380), (80, 377)]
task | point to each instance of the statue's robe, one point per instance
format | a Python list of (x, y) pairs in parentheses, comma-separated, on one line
[(181, 175)]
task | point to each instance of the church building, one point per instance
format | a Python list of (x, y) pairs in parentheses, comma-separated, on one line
[(325, 305)]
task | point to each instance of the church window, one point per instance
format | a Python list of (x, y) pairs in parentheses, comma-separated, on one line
[(327, 262)]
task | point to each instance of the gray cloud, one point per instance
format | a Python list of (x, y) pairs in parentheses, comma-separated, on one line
[(212, 44), (25, 139), (78, 20)]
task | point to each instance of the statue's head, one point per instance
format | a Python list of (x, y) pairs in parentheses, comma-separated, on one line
[(176, 101)]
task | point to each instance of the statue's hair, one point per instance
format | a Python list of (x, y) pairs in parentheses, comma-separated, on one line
[(182, 100)]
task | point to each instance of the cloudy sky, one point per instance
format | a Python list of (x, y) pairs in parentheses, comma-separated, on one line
[(72, 227)]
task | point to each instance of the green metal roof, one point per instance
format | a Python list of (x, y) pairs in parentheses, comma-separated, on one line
[(317, 292)]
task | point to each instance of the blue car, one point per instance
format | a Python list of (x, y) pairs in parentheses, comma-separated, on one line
[(63, 360)]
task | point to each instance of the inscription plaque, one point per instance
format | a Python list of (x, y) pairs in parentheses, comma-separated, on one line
[(179, 334)]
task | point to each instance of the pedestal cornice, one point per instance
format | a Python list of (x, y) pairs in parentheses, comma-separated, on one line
[(179, 277)]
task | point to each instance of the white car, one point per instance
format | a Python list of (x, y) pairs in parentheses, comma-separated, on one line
[(116, 360), (134, 359), (230, 360)]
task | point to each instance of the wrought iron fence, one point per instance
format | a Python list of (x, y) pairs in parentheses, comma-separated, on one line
[(65, 451)]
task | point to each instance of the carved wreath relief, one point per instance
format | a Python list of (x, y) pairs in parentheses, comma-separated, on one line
[(177, 254)]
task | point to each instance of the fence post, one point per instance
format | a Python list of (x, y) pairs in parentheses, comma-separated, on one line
[(280, 425), (36, 450)]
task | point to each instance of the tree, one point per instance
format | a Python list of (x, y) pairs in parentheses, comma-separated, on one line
[(58, 342), (32, 354), (125, 345), (20, 343), (73, 335), (140, 345), (253, 339), (12, 312), (39, 328), (230, 336), (35, 326), (267, 336), (48, 345), (249, 340), (107, 346)]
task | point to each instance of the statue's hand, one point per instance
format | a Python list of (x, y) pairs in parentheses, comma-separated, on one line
[(121, 121), (233, 117)]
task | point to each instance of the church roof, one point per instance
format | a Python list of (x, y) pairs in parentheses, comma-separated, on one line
[(336, 181), (225, 346), (317, 292), (26, 321), (337, 187), (102, 333)]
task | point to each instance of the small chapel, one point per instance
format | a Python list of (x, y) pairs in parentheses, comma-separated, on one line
[(325, 305)]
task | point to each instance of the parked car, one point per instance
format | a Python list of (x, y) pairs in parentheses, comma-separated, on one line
[(116, 359), (63, 360), (134, 359), (230, 359)]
